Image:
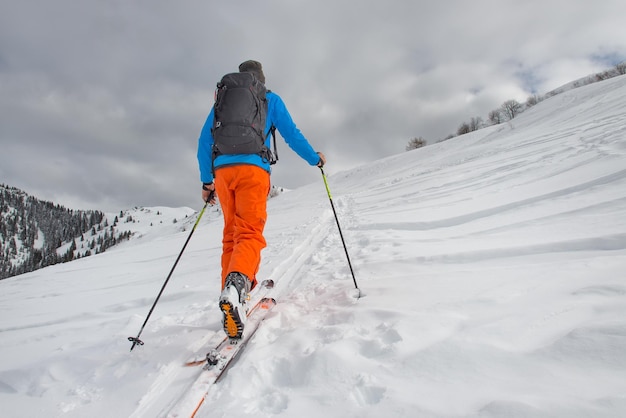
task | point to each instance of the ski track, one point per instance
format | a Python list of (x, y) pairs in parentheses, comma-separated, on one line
[(294, 254), (286, 273)]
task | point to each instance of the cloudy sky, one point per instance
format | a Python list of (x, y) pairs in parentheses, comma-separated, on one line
[(102, 101)]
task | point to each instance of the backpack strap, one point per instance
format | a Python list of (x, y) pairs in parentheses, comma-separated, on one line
[(273, 132)]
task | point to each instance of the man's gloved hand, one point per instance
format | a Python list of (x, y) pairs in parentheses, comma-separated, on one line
[(322, 160), (208, 193)]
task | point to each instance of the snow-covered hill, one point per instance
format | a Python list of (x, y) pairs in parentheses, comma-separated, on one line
[(493, 268)]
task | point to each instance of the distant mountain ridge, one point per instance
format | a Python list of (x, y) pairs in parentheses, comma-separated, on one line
[(35, 233)]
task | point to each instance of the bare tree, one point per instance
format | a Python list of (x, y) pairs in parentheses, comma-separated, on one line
[(510, 109), (464, 128), (476, 123), (621, 68), (532, 100), (495, 117), (417, 142)]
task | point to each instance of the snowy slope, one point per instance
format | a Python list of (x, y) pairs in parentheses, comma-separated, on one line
[(493, 267)]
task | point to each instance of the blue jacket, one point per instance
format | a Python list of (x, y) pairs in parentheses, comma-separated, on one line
[(278, 116)]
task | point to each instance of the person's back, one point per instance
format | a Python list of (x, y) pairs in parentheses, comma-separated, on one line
[(277, 116)]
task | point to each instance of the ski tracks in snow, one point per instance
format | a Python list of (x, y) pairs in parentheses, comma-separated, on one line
[(307, 262), (318, 337)]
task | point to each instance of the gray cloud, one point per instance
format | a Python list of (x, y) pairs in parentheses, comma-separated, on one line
[(101, 102)]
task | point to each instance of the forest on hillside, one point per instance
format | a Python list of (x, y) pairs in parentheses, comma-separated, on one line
[(36, 233)]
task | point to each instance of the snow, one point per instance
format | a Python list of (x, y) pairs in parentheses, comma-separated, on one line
[(492, 269)]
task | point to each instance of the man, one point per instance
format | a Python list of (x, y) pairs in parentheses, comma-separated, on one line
[(242, 184)]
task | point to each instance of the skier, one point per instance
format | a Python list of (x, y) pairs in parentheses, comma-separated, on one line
[(242, 184)]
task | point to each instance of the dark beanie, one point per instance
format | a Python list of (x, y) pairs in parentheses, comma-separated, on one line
[(253, 67)]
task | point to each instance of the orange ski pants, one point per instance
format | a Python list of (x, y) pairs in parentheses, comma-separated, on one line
[(242, 191)]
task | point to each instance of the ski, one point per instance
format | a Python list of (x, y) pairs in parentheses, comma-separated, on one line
[(220, 358), (263, 289)]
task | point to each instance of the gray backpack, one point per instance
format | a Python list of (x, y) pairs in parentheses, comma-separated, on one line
[(240, 114)]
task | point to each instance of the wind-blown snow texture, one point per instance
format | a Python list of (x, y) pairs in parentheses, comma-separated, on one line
[(493, 267)]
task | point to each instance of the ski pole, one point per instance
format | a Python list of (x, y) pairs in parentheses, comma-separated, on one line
[(136, 340), (332, 205)]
